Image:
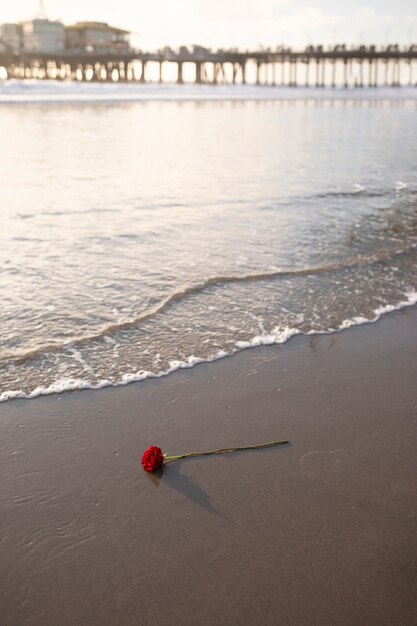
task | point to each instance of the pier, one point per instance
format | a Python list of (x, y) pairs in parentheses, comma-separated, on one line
[(340, 66)]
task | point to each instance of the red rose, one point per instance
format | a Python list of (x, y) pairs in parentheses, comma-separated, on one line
[(152, 459)]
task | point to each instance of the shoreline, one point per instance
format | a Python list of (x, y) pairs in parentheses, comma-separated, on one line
[(36, 92), (321, 531), (74, 385)]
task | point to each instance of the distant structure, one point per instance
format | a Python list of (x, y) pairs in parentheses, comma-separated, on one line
[(97, 37), (339, 66), (42, 35), (37, 35), (95, 51), (41, 10), (47, 37), (11, 36)]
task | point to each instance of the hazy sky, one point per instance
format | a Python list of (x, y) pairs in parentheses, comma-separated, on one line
[(242, 23)]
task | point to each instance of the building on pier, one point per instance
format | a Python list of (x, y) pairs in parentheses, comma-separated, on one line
[(43, 35), (11, 36), (38, 35), (96, 37)]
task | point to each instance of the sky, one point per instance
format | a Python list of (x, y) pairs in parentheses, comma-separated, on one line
[(238, 23)]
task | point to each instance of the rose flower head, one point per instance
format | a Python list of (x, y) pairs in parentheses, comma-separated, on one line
[(152, 459)]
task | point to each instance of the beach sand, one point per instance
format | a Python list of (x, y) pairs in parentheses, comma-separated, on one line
[(319, 532)]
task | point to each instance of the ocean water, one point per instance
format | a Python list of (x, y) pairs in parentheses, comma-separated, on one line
[(146, 229)]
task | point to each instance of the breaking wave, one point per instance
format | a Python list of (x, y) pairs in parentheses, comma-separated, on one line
[(215, 281), (279, 336)]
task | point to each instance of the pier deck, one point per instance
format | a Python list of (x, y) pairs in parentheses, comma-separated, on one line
[(313, 66)]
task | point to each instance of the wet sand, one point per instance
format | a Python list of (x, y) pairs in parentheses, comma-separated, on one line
[(319, 532)]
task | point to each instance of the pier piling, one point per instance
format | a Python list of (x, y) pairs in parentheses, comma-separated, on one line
[(338, 66)]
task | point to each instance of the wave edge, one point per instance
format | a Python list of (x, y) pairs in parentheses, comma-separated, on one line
[(280, 336)]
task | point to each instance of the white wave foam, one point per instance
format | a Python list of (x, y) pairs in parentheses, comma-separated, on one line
[(276, 337), (380, 311), (388, 308), (279, 336), (354, 321), (78, 384), (35, 91)]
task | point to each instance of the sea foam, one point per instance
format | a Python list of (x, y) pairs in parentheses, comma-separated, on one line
[(277, 337)]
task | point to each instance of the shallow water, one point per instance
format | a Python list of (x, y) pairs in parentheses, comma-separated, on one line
[(145, 234)]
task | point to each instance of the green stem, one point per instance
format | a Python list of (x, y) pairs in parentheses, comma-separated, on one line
[(169, 459)]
